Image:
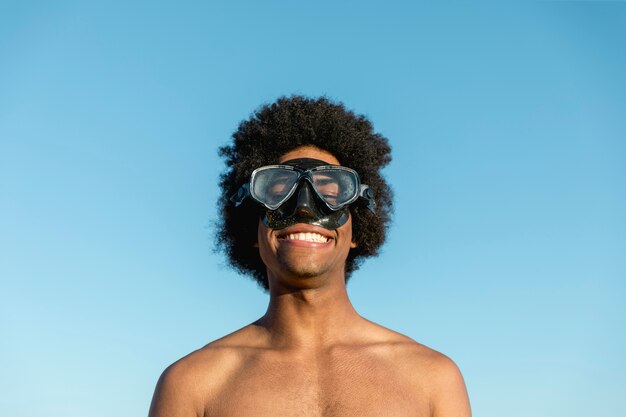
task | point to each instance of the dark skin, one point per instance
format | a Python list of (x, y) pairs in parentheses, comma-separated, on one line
[(311, 354)]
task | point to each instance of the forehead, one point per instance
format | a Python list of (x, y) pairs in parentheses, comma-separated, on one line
[(309, 152)]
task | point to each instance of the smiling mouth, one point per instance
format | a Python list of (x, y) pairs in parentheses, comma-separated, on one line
[(306, 237)]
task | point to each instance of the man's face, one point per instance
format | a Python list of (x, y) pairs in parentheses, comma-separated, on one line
[(304, 250)]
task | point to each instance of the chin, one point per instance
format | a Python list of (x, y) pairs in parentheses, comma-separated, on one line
[(303, 271)]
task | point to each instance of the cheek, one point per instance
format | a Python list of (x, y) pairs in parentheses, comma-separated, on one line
[(352, 240), (263, 242), (349, 233)]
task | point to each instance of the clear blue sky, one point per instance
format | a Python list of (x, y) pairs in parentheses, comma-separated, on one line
[(508, 127)]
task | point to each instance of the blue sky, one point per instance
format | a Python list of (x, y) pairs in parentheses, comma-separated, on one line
[(507, 251)]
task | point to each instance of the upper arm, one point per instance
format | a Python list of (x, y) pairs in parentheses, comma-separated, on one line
[(449, 396), (173, 395)]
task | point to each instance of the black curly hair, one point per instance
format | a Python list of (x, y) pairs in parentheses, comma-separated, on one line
[(275, 129)]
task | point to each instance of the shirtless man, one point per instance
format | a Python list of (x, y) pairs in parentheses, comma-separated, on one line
[(299, 222)]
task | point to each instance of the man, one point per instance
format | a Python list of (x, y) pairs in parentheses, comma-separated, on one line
[(303, 202)]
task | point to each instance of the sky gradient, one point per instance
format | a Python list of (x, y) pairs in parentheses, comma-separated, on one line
[(508, 248)]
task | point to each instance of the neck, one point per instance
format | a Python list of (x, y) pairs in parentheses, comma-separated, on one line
[(309, 318)]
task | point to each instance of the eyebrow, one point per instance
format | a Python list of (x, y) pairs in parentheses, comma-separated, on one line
[(327, 180)]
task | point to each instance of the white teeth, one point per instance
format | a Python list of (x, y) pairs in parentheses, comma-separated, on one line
[(308, 237)]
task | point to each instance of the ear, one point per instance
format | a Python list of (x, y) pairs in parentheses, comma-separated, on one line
[(256, 244), (353, 245)]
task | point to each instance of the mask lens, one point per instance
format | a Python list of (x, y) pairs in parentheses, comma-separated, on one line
[(336, 186), (273, 186)]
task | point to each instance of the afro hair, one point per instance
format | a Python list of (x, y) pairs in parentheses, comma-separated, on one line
[(275, 129)]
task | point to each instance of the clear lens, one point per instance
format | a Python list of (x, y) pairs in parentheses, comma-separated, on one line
[(337, 187), (272, 186)]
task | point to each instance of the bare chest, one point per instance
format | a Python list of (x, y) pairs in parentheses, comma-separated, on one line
[(320, 387)]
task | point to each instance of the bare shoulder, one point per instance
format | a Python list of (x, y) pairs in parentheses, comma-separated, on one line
[(186, 386), (431, 373)]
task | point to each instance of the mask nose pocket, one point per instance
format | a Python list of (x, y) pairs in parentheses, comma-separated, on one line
[(306, 205)]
